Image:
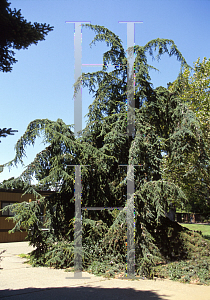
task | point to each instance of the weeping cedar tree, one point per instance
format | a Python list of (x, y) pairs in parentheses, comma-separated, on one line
[(162, 124)]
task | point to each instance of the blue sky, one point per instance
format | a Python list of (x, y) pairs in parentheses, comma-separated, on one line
[(41, 83)]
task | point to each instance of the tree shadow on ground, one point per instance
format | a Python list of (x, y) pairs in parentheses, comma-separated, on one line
[(79, 292)]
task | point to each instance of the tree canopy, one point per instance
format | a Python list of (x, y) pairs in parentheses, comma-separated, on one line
[(163, 125)]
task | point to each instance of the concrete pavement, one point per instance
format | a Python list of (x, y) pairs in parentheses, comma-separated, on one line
[(21, 281)]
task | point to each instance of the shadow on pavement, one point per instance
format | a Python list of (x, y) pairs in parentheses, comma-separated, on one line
[(80, 293)]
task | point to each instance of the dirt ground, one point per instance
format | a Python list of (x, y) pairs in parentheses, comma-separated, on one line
[(21, 281)]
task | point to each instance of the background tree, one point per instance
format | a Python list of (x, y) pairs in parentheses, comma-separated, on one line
[(17, 33), (6, 131), (160, 127), (193, 88)]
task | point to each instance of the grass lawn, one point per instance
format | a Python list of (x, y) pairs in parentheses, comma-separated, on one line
[(204, 228)]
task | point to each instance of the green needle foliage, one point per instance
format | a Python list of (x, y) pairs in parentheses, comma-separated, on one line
[(163, 124)]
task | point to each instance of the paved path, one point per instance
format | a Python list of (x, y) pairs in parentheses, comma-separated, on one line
[(21, 281)]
